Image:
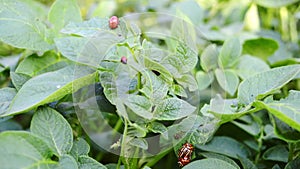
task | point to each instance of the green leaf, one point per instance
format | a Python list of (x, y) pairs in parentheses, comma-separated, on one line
[(86, 162), (188, 81), (137, 130), (209, 58), (87, 50), (152, 65), (204, 79), (20, 149), (252, 127), (250, 66), (157, 127), (50, 87), (87, 28), (9, 125), (9, 62), (230, 53), (116, 83), (182, 61), (154, 87), (27, 15), (261, 47), (246, 163), (80, 147), (93, 26), (224, 109), (33, 64), (265, 83), (6, 96), (53, 128), (140, 105), (139, 142), (287, 110), (197, 129), (226, 146), (293, 164), (63, 12), (210, 163), (228, 80), (67, 161), (277, 153), (178, 90), (275, 3), (19, 79), (220, 157), (173, 109)]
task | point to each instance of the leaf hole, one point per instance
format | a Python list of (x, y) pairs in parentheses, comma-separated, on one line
[(54, 158)]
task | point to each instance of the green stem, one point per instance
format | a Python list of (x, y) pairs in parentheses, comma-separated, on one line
[(123, 144), (259, 140), (117, 127), (291, 151), (155, 159)]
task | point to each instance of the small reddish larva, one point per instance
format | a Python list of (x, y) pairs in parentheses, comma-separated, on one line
[(113, 22), (124, 60)]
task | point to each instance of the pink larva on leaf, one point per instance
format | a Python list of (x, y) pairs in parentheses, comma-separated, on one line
[(113, 22), (124, 60)]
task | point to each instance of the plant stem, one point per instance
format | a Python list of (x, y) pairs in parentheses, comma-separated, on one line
[(123, 144), (154, 160), (291, 151)]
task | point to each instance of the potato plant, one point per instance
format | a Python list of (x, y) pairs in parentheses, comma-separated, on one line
[(134, 84)]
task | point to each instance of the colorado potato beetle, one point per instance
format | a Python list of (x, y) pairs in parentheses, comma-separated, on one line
[(185, 154)]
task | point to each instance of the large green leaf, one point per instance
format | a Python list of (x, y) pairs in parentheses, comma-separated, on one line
[(287, 110), (182, 61), (19, 79), (250, 66), (228, 80), (154, 88), (220, 157), (188, 81), (152, 65), (226, 146), (6, 96), (210, 163), (93, 26), (230, 53), (34, 64), (173, 109), (80, 147), (293, 164), (64, 11), (247, 163), (275, 3), (67, 161), (53, 128), (265, 83), (49, 87), (140, 105), (209, 58), (262, 47), (87, 28), (204, 79), (21, 25), (19, 149), (87, 50), (86, 162), (197, 129), (277, 153)]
